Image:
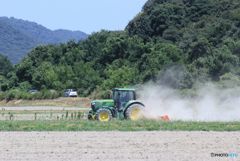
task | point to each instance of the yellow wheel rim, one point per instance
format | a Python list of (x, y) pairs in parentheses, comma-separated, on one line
[(104, 116), (135, 114)]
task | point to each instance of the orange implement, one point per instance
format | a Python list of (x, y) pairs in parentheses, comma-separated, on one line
[(165, 118)]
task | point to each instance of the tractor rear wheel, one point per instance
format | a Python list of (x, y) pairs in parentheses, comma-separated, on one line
[(103, 115), (134, 112)]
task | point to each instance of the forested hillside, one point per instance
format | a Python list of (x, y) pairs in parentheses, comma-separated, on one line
[(206, 31), (18, 37), (180, 41)]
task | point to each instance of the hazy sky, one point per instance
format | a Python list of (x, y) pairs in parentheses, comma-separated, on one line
[(85, 15)]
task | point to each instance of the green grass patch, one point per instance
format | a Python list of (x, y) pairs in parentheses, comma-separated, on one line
[(117, 125)]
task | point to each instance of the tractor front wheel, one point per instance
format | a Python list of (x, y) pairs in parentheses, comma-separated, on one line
[(103, 115), (90, 115), (134, 112)]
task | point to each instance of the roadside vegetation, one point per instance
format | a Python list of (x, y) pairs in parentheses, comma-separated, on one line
[(17, 93), (117, 125)]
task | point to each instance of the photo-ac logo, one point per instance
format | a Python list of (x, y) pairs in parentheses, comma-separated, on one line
[(226, 155)]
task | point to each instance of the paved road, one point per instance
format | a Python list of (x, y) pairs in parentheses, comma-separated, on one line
[(39, 108)]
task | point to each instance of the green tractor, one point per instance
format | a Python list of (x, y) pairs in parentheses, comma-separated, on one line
[(123, 105)]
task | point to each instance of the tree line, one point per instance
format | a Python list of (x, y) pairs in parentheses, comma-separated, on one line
[(175, 43)]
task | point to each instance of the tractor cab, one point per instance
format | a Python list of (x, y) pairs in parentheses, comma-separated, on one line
[(121, 96)]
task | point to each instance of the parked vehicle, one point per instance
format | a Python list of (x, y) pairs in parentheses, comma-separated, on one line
[(33, 91), (70, 93)]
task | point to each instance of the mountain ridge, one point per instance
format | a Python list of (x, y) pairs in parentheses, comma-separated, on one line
[(18, 37)]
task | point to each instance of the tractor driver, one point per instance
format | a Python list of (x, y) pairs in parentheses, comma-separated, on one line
[(124, 98)]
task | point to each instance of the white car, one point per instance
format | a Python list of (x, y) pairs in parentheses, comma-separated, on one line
[(70, 93)]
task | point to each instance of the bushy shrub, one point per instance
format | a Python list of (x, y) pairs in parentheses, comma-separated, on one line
[(19, 94), (49, 94), (10, 95), (229, 80), (2, 96)]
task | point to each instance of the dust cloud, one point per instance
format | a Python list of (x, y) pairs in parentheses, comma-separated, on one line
[(209, 103)]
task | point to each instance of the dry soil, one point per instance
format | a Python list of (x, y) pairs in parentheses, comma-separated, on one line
[(118, 146)]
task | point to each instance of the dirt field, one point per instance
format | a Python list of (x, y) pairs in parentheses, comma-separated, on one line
[(119, 146)]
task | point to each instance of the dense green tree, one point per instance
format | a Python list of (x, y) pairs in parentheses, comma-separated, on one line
[(5, 68), (86, 78), (119, 77), (45, 76), (5, 65)]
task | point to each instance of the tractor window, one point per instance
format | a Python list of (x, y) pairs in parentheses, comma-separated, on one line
[(122, 97), (126, 96)]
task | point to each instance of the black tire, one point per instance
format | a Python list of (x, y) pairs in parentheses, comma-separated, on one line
[(134, 112), (104, 115)]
